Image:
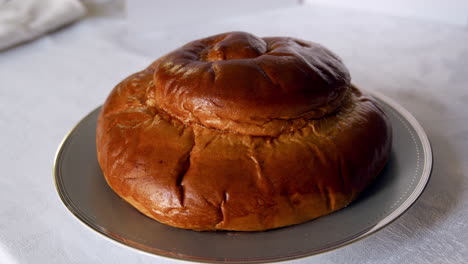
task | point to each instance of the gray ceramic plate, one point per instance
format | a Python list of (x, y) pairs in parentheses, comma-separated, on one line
[(85, 193)]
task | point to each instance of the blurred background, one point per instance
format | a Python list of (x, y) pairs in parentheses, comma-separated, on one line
[(145, 17), (449, 11), (59, 59)]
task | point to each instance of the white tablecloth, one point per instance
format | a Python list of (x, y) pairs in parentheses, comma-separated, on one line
[(48, 85)]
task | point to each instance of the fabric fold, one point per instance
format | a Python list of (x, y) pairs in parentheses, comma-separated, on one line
[(24, 20)]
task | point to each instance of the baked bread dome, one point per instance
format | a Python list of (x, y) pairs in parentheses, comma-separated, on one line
[(237, 132)]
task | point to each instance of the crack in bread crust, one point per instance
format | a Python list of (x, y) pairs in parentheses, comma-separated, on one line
[(237, 174)]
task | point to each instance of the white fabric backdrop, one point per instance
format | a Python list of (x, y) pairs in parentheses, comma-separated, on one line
[(22, 20), (48, 85)]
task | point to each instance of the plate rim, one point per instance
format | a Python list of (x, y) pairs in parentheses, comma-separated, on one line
[(393, 216)]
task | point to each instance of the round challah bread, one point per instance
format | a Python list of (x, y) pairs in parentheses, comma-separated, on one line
[(237, 132)]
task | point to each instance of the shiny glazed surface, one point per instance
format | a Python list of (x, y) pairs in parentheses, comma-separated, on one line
[(236, 132)]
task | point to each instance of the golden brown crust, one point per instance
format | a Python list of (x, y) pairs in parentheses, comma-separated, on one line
[(250, 85), (240, 164)]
